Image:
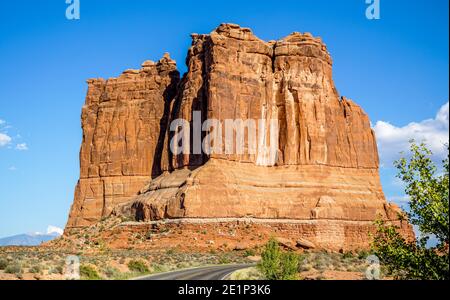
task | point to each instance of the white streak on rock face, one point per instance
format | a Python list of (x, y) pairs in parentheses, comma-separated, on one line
[(268, 142)]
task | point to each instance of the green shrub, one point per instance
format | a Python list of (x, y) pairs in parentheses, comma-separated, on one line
[(157, 268), (223, 260), (3, 263), (138, 266), (88, 272), (36, 269), (428, 191), (289, 266), (270, 260), (347, 255), (59, 269), (14, 268), (276, 264), (111, 272), (321, 265), (363, 254), (249, 252)]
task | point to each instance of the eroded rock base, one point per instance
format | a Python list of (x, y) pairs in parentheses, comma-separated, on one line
[(235, 234)]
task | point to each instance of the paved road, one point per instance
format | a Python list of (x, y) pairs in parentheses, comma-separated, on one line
[(202, 273)]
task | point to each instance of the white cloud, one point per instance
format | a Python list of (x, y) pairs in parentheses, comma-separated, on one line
[(22, 147), (4, 139), (434, 132), (53, 229), (400, 200), (4, 125), (12, 168), (35, 233)]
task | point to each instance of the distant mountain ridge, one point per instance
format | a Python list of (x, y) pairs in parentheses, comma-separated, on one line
[(27, 239)]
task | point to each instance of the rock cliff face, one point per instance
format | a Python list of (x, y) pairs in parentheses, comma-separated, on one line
[(326, 161), (123, 123)]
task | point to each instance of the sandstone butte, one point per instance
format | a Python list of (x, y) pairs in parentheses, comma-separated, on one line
[(324, 187)]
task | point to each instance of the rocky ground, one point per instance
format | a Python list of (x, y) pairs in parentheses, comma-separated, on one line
[(112, 250), (320, 265), (41, 263), (187, 236), (38, 263)]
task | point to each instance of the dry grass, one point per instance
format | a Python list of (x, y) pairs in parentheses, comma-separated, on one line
[(41, 263)]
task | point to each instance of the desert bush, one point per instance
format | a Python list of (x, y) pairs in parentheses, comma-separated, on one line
[(138, 266), (111, 272), (247, 274), (363, 254), (157, 268), (160, 268), (289, 266), (184, 265), (305, 267), (3, 263), (36, 269), (88, 272), (223, 260), (347, 255), (276, 264), (321, 265), (59, 269), (14, 268), (148, 235), (249, 252)]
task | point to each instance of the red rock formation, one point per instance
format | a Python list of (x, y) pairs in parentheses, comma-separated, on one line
[(325, 173), (122, 122)]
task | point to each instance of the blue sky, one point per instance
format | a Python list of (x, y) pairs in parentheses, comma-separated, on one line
[(396, 68)]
